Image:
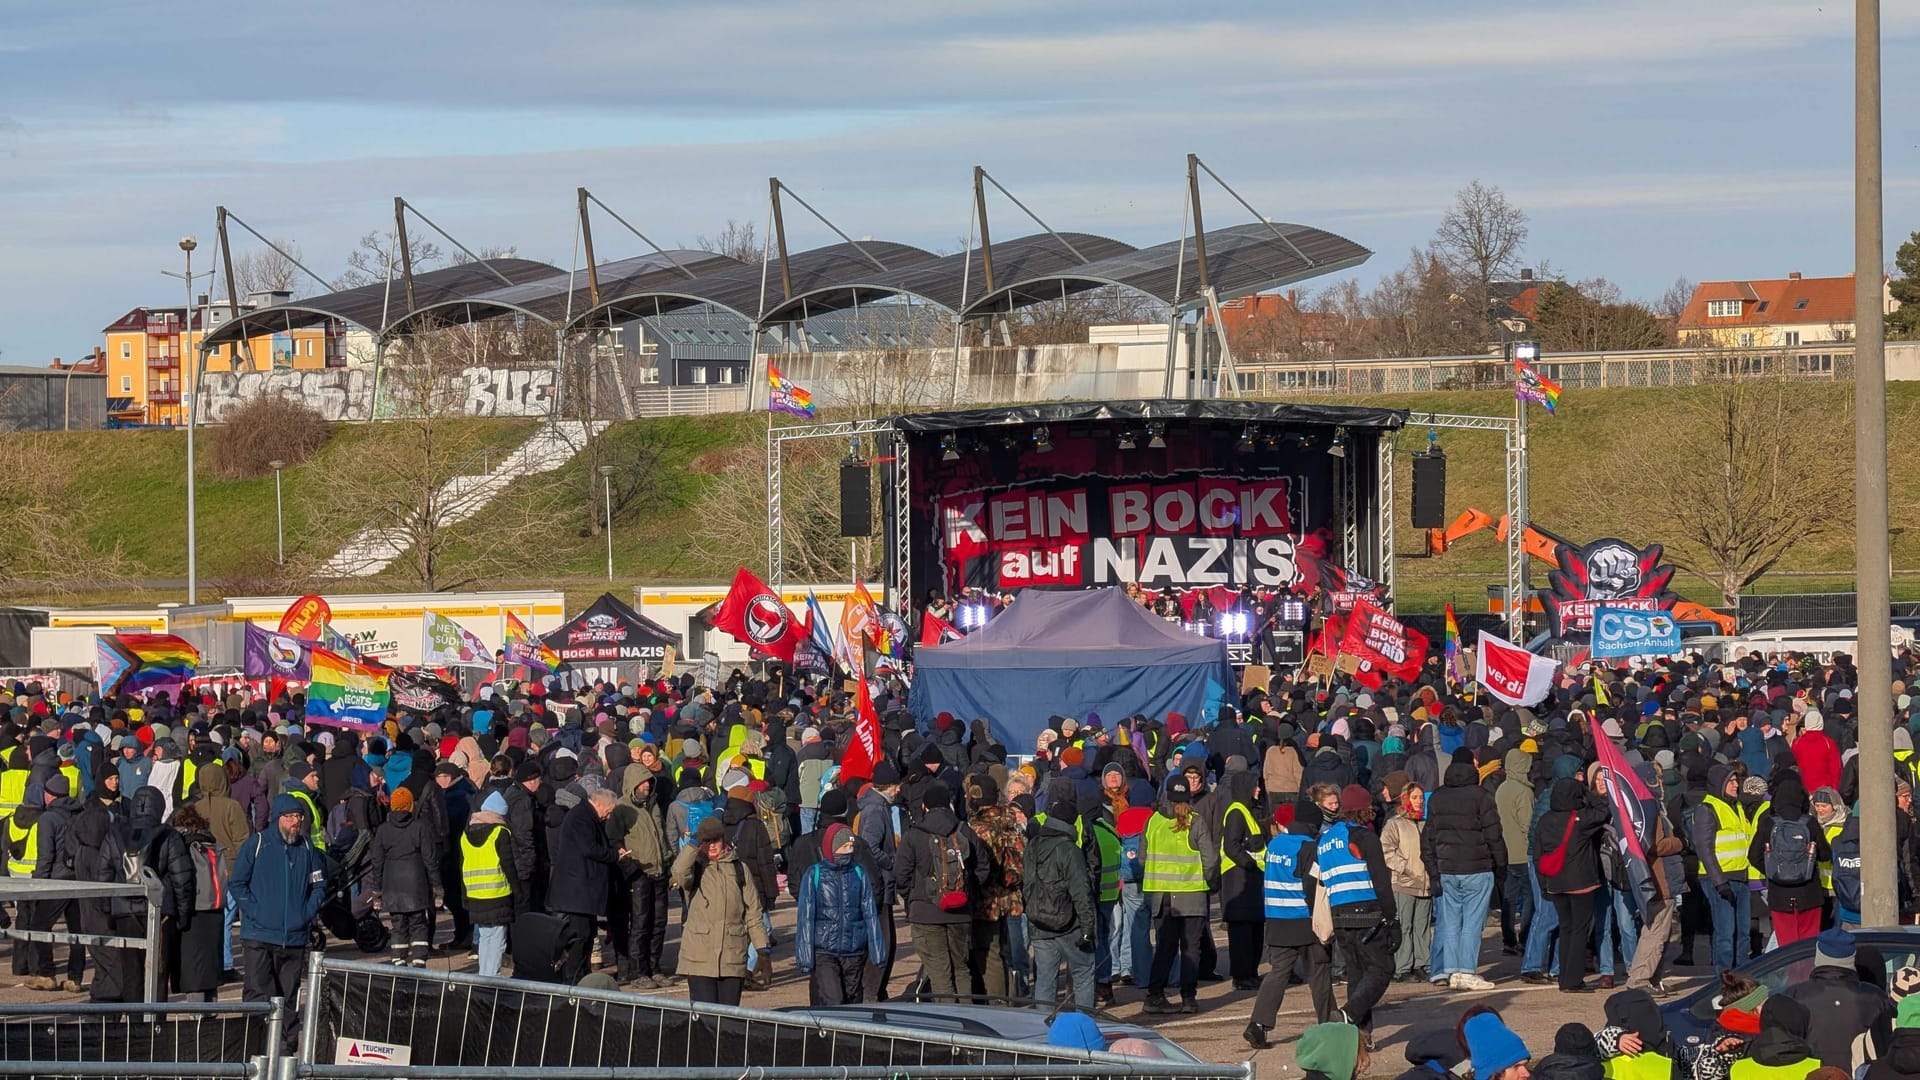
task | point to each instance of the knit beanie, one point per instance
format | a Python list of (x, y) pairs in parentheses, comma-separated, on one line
[(1833, 948), (402, 801), (1493, 1045)]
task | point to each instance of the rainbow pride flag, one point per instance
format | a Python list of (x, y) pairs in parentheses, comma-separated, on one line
[(345, 693), (135, 663), (1530, 385), (1456, 664), (784, 396), (528, 651)]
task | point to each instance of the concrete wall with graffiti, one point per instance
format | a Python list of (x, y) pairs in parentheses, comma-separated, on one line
[(347, 393)]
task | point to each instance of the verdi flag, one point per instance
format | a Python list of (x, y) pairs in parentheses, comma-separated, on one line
[(345, 693), (1513, 674)]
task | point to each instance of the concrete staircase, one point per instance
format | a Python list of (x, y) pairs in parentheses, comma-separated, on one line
[(373, 549)]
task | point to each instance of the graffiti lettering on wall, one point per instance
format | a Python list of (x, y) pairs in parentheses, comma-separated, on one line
[(347, 393), (508, 391)]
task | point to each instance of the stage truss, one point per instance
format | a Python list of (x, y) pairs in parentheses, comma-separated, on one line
[(899, 532)]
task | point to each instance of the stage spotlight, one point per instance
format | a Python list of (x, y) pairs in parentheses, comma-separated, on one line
[(1157, 435), (1041, 443), (1233, 625), (1303, 441), (971, 617), (1338, 448), (1246, 443), (949, 448), (1127, 440), (1293, 612)]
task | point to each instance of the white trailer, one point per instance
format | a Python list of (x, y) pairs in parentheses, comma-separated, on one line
[(675, 608)]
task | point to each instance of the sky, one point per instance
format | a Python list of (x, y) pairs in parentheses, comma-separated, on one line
[(1647, 140)]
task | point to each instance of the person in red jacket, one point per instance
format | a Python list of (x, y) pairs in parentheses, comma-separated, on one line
[(1816, 753)]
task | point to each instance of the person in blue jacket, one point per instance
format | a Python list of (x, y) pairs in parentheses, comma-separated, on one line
[(837, 931), (278, 881)]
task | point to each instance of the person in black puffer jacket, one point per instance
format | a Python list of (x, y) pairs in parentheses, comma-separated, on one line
[(1575, 1056), (403, 873), (1571, 832), (166, 855), (1463, 848), (1840, 1006)]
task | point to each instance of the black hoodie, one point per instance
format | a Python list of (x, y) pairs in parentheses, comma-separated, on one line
[(1783, 1034), (917, 869), (1432, 1055), (1463, 827), (1900, 1060), (1572, 803)]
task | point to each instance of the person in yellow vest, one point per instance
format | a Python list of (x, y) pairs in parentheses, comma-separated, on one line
[(1780, 1051), (303, 783), (1243, 858), (14, 771), (1722, 835), (1101, 841), (1177, 896), (492, 884), (70, 767), (1635, 1044)]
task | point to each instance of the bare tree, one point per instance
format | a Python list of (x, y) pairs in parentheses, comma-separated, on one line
[(1064, 321), (1674, 301), (263, 269), (1479, 240), (739, 240), (406, 487), (1590, 316), (731, 510), (378, 254), (1414, 311), (1737, 497)]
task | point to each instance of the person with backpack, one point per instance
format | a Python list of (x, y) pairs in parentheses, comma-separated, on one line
[(938, 868), (1057, 893), (279, 881), (1566, 849), (403, 874), (837, 929), (1789, 848), (999, 903), (1842, 833), (198, 965), (723, 916), (754, 848), (227, 822)]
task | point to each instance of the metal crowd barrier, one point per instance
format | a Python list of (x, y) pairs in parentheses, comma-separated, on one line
[(456, 1026), (141, 1039), (25, 891)]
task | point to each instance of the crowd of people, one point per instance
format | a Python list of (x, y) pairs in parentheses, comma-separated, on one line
[(1337, 833)]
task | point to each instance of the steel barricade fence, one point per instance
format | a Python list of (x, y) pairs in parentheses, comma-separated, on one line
[(456, 1025), (135, 1039)]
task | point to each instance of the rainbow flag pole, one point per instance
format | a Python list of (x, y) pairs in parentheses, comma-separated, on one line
[(1456, 673), (1530, 385), (784, 396)]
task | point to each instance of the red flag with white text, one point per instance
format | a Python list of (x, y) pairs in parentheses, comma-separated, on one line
[(1384, 641), (1511, 673), (863, 753)]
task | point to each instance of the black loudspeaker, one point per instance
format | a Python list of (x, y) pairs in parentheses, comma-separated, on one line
[(1430, 490), (856, 500)]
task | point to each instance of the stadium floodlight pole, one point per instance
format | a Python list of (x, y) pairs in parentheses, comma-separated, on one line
[(279, 520), (606, 487), (1880, 904), (187, 244)]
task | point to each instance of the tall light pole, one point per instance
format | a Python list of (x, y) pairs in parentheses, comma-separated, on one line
[(606, 486), (187, 244), (1880, 904), (279, 523)]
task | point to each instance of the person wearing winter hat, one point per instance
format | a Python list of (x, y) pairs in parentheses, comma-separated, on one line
[(490, 880), (1900, 1056), (1176, 893), (1779, 1050), (1576, 1056), (1496, 1052), (837, 931), (1839, 1005), (1816, 752), (1332, 1051), (278, 882)]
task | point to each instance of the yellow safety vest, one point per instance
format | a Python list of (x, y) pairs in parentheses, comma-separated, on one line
[(23, 849), (1171, 865), (480, 869), (1733, 836), (1642, 1066), (1826, 864), (72, 773), (13, 791), (1253, 829), (316, 829), (188, 770), (1749, 1069), (1109, 842), (1757, 873)]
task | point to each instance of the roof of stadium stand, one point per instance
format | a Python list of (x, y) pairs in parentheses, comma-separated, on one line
[(1043, 267)]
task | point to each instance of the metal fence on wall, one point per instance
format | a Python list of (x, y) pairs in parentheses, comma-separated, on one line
[(1652, 368)]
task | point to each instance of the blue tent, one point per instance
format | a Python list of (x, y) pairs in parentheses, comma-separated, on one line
[(1068, 654)]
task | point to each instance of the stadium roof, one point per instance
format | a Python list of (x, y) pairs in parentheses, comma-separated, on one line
[(1043, 267)]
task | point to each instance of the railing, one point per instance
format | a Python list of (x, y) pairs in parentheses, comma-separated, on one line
[(653, 401), (221, 1039), (1655, 367)]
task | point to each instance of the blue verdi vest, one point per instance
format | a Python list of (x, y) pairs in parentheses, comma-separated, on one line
[(1284, 889), (1342, 873)]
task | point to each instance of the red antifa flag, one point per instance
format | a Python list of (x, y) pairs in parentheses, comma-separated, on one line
[(935, 630), (753, 613), (863, 753), (1384, 641), (1634, 808)]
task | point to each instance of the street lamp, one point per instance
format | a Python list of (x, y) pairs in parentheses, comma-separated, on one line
[(606, 486), (279, 523), (187, 244)]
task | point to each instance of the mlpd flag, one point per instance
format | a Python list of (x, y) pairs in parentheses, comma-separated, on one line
[(754, 615), (1634, 812), (1511, 673)]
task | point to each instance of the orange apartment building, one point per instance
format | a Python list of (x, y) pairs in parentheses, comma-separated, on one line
[(149, 349)]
